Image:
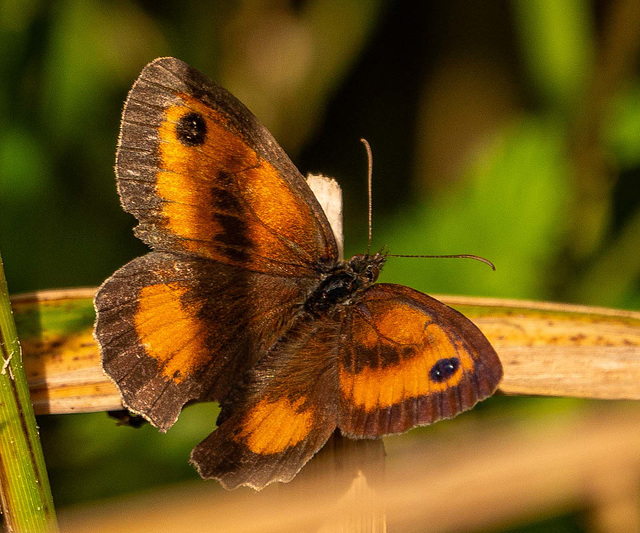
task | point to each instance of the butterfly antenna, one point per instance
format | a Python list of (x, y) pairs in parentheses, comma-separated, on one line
[(369, 186), (456, 256), (370, 191)]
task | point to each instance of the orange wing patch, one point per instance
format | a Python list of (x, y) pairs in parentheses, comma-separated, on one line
[(394, 320), (273, 426), (219, 195), (177, 343), (384, 386)]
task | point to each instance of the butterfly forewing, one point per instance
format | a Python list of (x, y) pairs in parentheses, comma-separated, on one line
[(205, 178), (407, 360)]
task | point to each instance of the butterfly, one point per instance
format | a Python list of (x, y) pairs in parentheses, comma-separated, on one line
[(243, 299)]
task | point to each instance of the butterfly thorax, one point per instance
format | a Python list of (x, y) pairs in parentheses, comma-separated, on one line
[(344, 281)]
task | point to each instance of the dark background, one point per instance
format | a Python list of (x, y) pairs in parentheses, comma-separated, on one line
[(509, 129)]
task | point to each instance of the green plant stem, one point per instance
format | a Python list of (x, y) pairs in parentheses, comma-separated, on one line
[(27, 504)]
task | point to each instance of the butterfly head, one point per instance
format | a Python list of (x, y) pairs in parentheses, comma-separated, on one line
[(367, 267)]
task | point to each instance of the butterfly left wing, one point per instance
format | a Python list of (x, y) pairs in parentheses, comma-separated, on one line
[(408, 360), (205, 179), (175, 328), (239, 240), (281, 415)]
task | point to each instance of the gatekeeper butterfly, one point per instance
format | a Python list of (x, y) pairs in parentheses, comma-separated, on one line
[(244, 299)]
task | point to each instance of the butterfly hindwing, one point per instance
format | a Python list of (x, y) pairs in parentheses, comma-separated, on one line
[(281, 415), (177, 328), (407, 360), (205, 178)]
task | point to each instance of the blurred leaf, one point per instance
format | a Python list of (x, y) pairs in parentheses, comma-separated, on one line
[(557, 43), (110, 459), (611, 278), (25, 171), (91, 42), (285, 64), (510, 209), (15, 15), (621, 128)]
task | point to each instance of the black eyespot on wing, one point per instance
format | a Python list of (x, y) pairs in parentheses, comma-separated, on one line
[(444, 369), (191, 129)]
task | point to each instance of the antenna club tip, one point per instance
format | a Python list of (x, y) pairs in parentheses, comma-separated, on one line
[(485, 261), (481, 259)]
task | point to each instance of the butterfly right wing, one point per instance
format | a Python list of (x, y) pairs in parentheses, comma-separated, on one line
[(409, 360)]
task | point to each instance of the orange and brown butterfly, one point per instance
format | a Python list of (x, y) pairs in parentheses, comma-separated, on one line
[(244, 299)]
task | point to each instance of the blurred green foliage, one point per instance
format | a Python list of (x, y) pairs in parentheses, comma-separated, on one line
[(509, 129)]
